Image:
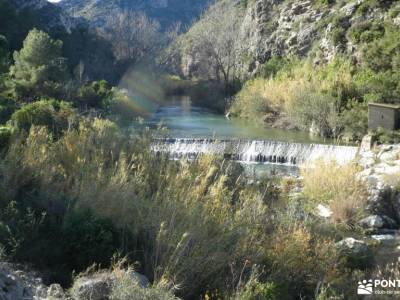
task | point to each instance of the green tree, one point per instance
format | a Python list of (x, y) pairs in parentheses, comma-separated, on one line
[(39, 68)]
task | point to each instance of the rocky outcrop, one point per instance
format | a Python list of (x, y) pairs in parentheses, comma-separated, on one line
[(19, 283), (98, 286), (302, 28), (16, 282), (279, 28)]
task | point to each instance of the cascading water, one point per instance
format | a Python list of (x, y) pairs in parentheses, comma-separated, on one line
[(274, 152)]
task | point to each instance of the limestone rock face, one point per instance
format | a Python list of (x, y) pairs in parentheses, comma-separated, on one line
[(16, 283)]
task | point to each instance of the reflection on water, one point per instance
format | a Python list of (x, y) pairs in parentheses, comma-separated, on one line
[(185, 120)]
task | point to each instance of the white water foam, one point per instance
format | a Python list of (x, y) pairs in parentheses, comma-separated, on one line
[(256, 151)]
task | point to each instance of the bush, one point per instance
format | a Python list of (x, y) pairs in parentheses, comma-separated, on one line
[(299, 258), (5, 137), (95, 94), (95, 239), (315, 109), (57, 116), (384, 136), (354, 121), (327, 87), (255, 290), (337, 186), (273, 66)]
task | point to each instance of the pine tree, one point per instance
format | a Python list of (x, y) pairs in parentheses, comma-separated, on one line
[(39, 68)]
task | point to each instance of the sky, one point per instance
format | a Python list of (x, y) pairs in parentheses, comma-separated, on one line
[(54, 1)]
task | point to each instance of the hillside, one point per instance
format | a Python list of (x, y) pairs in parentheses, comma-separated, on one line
[(167, 12), (310, 65)]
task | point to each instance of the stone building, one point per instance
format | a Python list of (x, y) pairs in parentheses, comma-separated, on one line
[(386, 116)]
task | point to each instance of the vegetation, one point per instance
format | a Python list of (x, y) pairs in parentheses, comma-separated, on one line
[(77, 187), (337, 186)]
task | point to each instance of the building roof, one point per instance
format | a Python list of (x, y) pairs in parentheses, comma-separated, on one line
[(385, 105)]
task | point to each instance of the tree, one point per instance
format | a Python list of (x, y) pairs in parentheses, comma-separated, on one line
[(39, 68), (213, 41), (133, 35)]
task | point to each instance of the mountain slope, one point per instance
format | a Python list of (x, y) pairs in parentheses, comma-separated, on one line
[(47, 13), (167, 12)]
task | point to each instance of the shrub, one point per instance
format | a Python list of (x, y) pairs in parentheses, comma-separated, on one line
[(354, 121), (95, 239), (315, 109), (55, 115), (329, 85), (255, 290), (339, 187), (384, 136), (5, 137), (299, 258), (273, 66), (95, 94)]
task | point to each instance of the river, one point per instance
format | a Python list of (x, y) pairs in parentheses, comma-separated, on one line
[(195, 130)]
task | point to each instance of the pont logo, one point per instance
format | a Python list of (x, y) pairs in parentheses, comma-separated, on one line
[(365, 287)]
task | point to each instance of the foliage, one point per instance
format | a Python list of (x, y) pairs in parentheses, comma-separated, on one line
[(384, 136), (193, 225), (124, 289), (7, 108), (39, 68), (315, 109), (95, 240), (57, 116), (214, 42), (338, 186), (273, 66), (4, 60), (254, 290), (5, 137), (94, 94), (306, 93), (354, 120)]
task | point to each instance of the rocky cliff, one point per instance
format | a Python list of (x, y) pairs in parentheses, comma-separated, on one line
[(307, 28), (310, 28)]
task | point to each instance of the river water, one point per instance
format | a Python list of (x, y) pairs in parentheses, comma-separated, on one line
[(194, 130), (184, 120)]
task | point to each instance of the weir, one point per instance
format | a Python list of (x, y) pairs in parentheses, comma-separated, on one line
[(258, 151)]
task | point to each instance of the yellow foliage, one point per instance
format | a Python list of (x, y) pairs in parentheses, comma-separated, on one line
[(338, 186)]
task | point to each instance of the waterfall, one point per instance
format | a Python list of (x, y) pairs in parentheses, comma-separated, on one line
[(269, 151)]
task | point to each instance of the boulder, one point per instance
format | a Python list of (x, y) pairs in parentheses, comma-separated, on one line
[(99, 286), (352, 246), (55, 291), (324, 211), (385, 239), (357, 253), (377, 222), (17, 283), (94, 287)]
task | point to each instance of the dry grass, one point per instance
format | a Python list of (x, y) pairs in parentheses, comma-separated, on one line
[(338, 186), (280, 94)]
